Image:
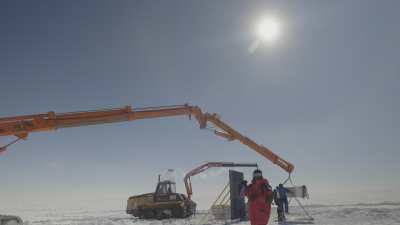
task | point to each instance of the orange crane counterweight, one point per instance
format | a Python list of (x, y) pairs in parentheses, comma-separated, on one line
[(22, 126)]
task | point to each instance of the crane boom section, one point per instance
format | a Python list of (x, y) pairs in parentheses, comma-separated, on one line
[(22, 126), (231, 134), (206, 166)]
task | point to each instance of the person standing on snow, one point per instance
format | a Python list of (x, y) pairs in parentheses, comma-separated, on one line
[(283, 197), (281, 201), (260, 196), (242, 201), (279, 206)]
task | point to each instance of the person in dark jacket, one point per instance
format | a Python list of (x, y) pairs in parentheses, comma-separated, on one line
[(283, 197), (242, 201), (280, 199), (279, 206), (260, 196)]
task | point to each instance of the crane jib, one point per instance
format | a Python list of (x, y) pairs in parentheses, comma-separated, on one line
[(22, 126)]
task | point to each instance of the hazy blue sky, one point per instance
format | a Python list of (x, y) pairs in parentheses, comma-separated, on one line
[(324, 97)]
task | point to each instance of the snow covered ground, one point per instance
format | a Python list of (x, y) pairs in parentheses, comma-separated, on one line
[(360, 214)]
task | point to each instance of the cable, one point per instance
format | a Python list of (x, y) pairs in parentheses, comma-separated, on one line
[(4, 148)]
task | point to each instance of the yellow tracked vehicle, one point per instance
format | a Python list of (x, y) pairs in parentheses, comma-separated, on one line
[(163, 203)]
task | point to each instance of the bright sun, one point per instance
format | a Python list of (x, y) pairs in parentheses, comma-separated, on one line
[(268, 29)]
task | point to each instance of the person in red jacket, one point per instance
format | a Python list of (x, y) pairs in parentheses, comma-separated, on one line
[(260, 194)]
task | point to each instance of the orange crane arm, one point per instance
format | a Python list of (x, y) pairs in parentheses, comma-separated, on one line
[(22, 126), (206, 166), (231, 134)]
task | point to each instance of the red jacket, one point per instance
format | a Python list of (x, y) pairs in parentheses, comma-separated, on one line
[(259, 208)]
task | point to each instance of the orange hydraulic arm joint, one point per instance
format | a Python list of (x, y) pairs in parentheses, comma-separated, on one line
[(206, 166)]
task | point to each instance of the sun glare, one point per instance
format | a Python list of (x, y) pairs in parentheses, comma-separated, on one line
[(268, 29)]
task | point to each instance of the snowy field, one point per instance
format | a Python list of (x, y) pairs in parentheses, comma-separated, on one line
[(360, 214)]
